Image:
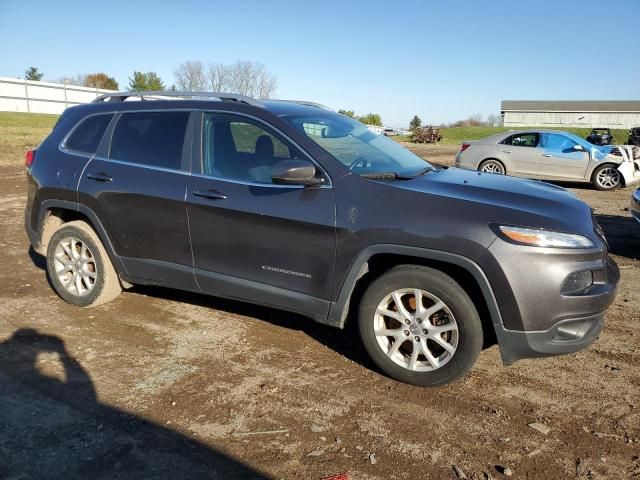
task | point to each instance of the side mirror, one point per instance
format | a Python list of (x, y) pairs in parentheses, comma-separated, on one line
[(578, 148), (295, 172)]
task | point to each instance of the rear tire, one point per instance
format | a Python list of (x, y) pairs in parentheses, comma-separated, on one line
[(492, 166), (606, 177), (79, 267), (433, 339)]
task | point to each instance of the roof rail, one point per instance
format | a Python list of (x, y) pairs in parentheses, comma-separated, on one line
[(304, 102), (151, 94)]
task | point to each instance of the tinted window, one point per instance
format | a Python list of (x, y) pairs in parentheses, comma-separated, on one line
[(86, 137), (150, 138), (522, 140), (240, 149)]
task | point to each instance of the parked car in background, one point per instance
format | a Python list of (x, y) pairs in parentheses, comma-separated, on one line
[(293, 206), (634, 136), (634, 208), (390, 132), (552, 155), (600, 136)]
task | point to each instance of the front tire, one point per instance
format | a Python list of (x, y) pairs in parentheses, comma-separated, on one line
[(79, 267), (492, 166), (606, 177), (419, 326)]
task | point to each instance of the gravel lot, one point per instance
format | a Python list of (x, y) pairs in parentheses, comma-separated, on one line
[(164, 384)]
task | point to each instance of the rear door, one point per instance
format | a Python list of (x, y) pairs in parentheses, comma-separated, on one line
[(560, 158), (521, 152), (272, 244), (136, 186)]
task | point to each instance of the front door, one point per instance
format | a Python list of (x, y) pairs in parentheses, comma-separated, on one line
[(561, 157), (253, 239)]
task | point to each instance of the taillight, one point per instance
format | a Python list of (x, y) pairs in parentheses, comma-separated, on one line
[(464, 146), (29, 157)]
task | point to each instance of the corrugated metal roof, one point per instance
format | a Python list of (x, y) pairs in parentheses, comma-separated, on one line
[(571, 105)]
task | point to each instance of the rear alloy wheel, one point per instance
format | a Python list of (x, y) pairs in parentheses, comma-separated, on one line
[(492, 166), (79, 267), (607, 177), (419, 326)]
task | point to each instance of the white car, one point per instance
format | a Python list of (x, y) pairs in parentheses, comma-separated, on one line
[(552, 155)]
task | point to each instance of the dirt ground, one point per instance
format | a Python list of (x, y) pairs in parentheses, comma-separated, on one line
[(163, 384)]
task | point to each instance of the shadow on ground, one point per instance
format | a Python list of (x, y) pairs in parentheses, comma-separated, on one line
[(622, 233), (55, 426)]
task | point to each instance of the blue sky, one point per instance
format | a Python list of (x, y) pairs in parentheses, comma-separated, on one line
[(443, 60)]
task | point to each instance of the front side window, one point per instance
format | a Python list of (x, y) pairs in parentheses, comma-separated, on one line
[(150, 138), (237, 148), (557, 142), (522, 140), (87, 135), (357, 147)]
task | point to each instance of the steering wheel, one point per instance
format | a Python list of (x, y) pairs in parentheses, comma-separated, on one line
[(357, 161)]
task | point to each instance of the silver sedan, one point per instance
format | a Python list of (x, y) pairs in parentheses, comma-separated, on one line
[(552, 155)]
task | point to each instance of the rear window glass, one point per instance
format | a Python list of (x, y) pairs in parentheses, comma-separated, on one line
[(150, 138), (87, 135)]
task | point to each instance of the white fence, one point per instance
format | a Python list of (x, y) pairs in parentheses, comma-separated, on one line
[(43, 97)]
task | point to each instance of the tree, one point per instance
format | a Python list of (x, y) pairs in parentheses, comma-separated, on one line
[(190, 76), (145, 81), (101, 80), (245, 78), (494, 120), (32, 73), (348, 113), (371, 119), (415, 122)]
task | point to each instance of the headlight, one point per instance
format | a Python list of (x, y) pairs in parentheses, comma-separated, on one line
[(545, 238)]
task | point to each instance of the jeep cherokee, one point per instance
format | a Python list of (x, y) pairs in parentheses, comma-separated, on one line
[(291, 205)]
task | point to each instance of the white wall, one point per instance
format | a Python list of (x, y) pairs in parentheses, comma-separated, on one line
[(623, 120), (42, 97)]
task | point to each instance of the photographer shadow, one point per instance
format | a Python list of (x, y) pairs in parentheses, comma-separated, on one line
[(52, 425)]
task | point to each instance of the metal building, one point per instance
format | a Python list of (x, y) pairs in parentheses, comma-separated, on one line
[(622, 114)]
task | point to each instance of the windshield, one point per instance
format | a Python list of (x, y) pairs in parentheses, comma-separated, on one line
[(356, 147)]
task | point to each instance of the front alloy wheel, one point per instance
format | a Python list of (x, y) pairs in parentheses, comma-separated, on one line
[(416, 330), (419, 326), (607, 177)]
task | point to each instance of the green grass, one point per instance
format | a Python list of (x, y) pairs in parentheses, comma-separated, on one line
[(456, 135), (21, 131)]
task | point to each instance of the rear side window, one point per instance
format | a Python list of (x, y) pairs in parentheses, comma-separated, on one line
[(87, 135), (522, 140), (150, 138)]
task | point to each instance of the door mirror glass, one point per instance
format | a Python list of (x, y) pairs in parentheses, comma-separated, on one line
[(295, 172), (578, 148)]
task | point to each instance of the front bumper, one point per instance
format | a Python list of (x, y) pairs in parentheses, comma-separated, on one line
[(565, 336), (634, 206)]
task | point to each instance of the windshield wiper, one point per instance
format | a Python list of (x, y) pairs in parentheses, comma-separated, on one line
[(383, 176), (422, 172)]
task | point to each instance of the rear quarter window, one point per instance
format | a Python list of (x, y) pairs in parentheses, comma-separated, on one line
[(86, 136)]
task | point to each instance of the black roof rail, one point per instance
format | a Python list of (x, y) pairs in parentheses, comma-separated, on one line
[(303, 102), (151, 94)]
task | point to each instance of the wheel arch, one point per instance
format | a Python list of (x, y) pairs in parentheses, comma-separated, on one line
[(54, 213), (608, 164), (375, 260)]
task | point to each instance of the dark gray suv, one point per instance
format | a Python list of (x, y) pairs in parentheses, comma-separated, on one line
[(291, 205)]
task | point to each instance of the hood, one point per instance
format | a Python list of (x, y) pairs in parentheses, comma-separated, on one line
[(525, 202)]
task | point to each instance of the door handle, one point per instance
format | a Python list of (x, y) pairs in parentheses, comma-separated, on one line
[(99, 177), (209, 194), (547, 155), (506, 151)]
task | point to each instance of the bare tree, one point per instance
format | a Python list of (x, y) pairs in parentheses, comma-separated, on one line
[(494, 120), (246, 78), (219, 77), (190, 76)]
